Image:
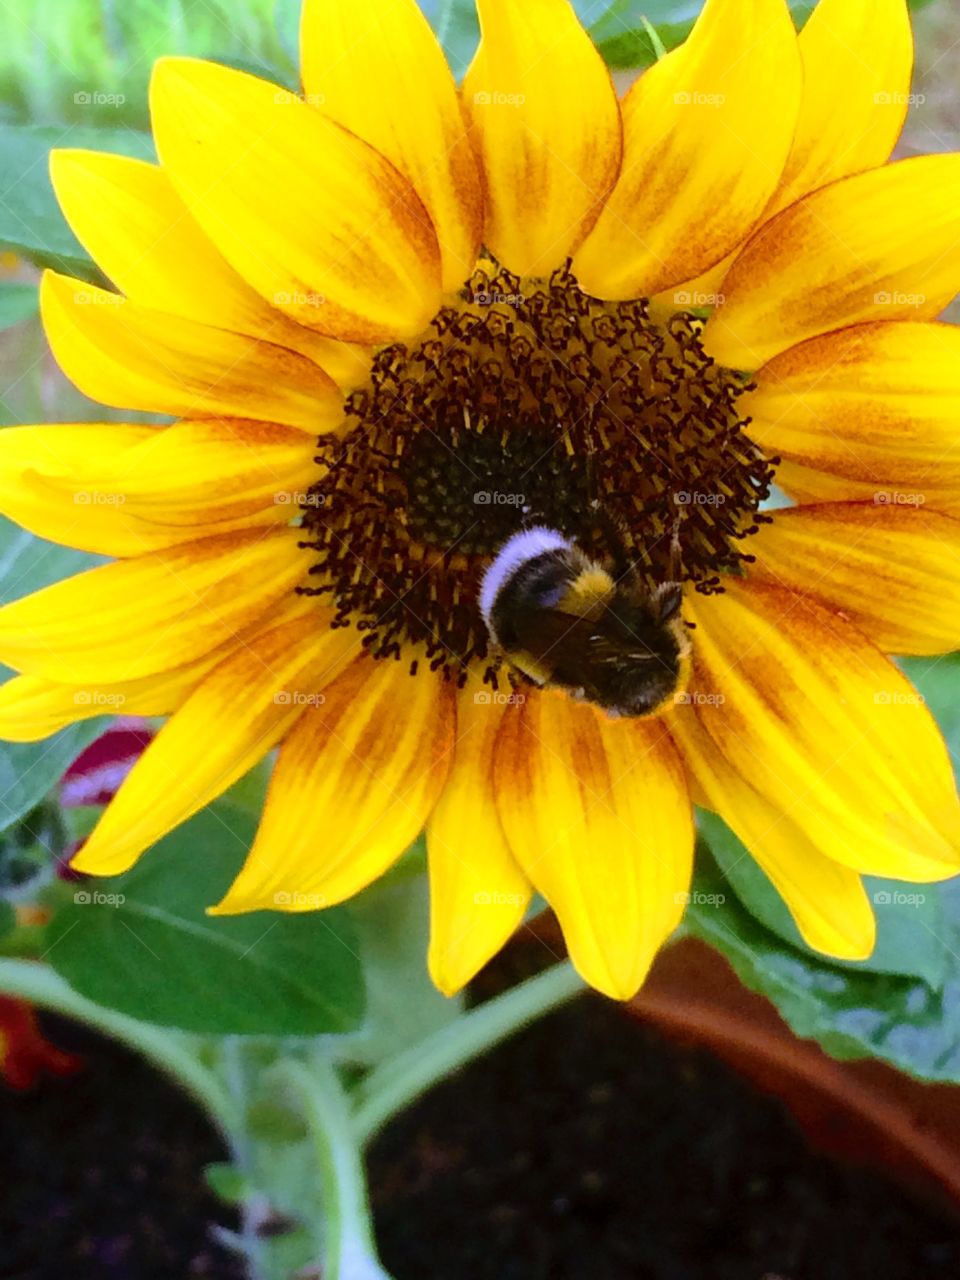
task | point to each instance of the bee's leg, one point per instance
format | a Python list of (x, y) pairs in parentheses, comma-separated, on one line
[(495, 661), (668, 596), (676, 551)]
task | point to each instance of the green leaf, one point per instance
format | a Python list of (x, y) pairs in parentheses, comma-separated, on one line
[(28, 563), (30, 219), (8, 919), (142, 943), (852, 1014), (910, 925), (18, 302), (89, 61), (29, 770), (619, 28), (392, 922), (938, 679), (286, 16), (227, 1182)]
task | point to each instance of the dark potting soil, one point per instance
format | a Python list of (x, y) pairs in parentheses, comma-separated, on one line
[(588, 1148), (101, 1174)]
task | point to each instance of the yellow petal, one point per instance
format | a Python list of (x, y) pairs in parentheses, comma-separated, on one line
[(546, 125), (239, 712), (807, 485), (881, 245), (827, 901), (701, 156), (876, 405), (379, 71), (597, 814), (857, 60), (893, 570), (133, 618), (828, 731), (317, 221), (353, 787), (478, 894), (124, 490), (32, 708), (132, 222), (126, 355)]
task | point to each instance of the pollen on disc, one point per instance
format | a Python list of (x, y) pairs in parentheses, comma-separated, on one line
[(525, 403)]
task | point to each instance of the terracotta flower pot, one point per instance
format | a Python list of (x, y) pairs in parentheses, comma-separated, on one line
[(860, 1111)]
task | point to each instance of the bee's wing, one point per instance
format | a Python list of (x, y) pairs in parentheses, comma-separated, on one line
[(565, 644)]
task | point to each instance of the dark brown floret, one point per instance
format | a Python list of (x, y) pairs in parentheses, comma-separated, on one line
[(527, 403)]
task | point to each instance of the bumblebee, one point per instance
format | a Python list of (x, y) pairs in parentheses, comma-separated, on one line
[(560, 618)]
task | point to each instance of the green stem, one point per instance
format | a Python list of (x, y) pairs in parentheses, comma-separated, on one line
[(390, 1087), (42, 986), (348, 1244)]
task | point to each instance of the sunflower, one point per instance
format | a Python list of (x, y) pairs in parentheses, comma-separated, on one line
[(393, 322)]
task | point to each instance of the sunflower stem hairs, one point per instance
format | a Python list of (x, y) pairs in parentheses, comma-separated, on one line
[(396, 323)]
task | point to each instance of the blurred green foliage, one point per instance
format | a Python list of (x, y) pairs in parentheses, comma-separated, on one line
[(88, 61)]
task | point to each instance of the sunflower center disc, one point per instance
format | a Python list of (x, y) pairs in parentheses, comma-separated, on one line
[(526, 403)]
